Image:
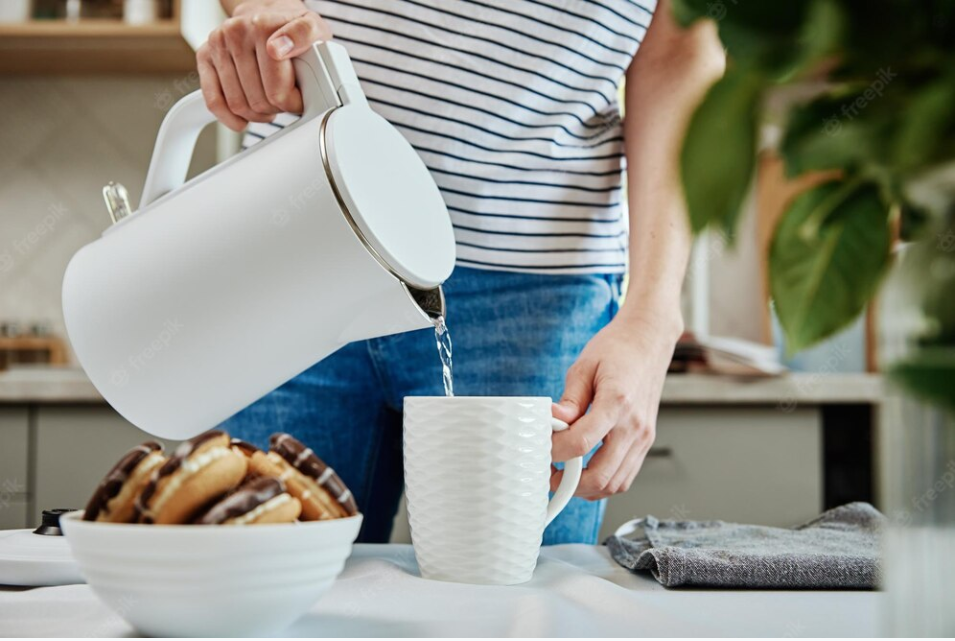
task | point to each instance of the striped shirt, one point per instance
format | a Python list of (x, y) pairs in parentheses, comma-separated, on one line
[(512, 105)]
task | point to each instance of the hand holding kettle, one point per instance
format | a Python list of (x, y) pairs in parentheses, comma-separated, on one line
[(245, 67), (332, 230)]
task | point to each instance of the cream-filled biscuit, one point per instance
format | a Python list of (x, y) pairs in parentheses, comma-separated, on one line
[(199, 472), (259, 500), (114, 500), (322, 493)]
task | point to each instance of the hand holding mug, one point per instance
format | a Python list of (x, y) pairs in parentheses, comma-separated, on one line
[(477, 471)]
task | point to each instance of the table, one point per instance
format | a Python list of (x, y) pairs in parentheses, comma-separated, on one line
[(577, 590)]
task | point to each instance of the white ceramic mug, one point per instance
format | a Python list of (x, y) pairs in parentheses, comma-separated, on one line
[(477, 474)]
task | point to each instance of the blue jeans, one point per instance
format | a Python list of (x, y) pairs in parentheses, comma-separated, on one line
[(514, 335)]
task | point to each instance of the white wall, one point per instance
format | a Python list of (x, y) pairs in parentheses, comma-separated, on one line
[(61, 140), (735, 291)]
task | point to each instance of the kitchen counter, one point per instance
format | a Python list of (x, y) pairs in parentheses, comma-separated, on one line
[(808, 440), (577, 590), (54, 385), (47, 385)]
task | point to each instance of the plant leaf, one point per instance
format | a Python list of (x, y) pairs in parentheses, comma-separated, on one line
[(929, 374), (829, 253), (827, 133), (822, 32), (928, 127), (938, 286), (896, 33), (760, 21), (926, 272), (719, 152), (761, 35), (686, 12)]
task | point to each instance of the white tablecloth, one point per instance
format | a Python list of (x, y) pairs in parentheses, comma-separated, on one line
[(577, 591)]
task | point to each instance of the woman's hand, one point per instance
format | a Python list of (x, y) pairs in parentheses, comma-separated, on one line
[(245, 67), (620, 372)]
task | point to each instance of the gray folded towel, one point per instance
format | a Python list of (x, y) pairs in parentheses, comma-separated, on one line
[(839, 549)]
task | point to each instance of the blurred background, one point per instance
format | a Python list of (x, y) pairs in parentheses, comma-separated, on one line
[(833, 94), (745, 433)]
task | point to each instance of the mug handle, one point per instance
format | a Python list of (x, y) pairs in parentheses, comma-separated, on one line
[(568, 483)]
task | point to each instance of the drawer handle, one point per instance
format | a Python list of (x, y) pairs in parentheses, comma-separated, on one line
[(660, 452)]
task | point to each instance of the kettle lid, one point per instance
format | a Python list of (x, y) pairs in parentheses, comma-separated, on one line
[(387, 192)]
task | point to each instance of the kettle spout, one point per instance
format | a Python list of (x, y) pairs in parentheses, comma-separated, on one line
[(393, 308), (430, 301)]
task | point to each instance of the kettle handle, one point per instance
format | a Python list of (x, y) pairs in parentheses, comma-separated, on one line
[(325, 76)]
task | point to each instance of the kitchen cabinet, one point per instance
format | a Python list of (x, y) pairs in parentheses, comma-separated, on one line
[(75, 446), (104, 46), (769, 451), (15, 431), (753, 465), (13, 512), (94, 46), (14, 465)]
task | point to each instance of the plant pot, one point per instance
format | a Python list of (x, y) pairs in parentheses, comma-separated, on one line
[(918, 459), (917, 454)]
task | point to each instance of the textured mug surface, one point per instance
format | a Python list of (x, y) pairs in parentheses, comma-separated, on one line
[(477, 471)]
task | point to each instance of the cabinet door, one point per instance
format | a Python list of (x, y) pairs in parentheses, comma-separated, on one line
[(755, 465), (76, 446), (13, 513), (14, 466)]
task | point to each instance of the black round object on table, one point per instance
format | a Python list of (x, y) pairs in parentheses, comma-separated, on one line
[(50, 525)]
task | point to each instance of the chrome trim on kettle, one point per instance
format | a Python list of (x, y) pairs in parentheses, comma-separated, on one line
[(417, 294)]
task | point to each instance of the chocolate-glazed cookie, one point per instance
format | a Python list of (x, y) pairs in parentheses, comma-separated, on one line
[(257, 501), (200, 470), (308, 478), (244, 448), (305, 461), (115, 497)]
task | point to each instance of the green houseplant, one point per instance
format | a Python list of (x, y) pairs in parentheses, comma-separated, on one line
[(885, 120), (882, 124)]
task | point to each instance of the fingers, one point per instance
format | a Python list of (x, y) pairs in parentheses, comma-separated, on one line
[(245, 68), (297, 36), (232, 87), (250, 79), (608, 471), (593, 482), (223, 43), (212, 91), (578, 391), (587, 431), (555, 477), (596, 480), (631, 466), (278, 81)]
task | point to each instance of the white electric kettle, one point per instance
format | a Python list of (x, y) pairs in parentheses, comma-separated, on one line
[(219, 290)]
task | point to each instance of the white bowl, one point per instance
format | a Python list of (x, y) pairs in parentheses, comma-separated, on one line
[(192, 580)]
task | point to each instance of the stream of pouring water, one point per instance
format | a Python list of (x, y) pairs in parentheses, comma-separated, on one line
[(443, 339)]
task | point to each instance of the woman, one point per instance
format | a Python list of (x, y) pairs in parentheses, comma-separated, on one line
[(512, 105)]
